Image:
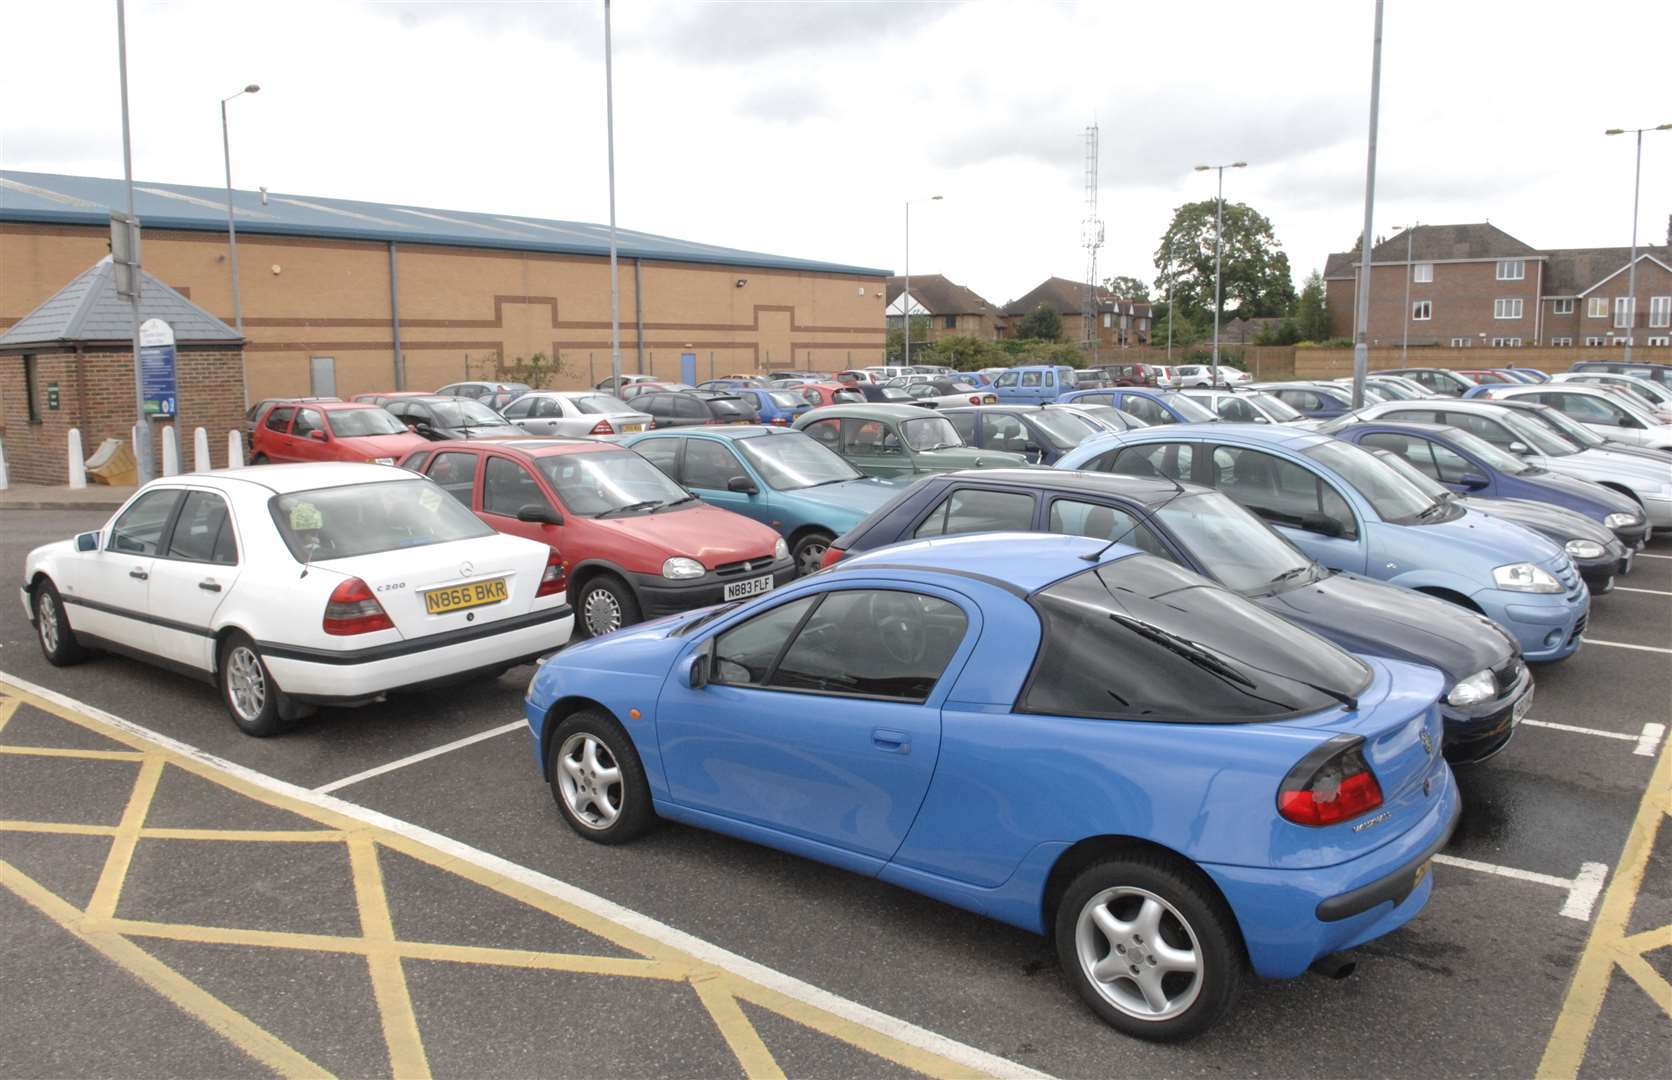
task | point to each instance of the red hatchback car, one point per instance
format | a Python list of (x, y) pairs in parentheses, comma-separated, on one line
[(831, 393), (330, 431), (637, 545)]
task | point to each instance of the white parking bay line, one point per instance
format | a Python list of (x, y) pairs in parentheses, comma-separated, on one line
[(1646, 555), (1627, 645), (1582, 889), (1646, 592), (1647, 740), (423, 755)]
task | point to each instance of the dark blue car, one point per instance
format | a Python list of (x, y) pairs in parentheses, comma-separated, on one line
[(1208, 532), (1315, 401)]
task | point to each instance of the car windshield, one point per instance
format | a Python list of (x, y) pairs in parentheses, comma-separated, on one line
[(847, 395), (1502, 460), (1194, 412), (1545, 440), (1275, 407), (463, 412), (930, 433), (791, 462), (1390, 391), (1191, 652), (602, 405), (786, 401), (1064, 429), (1391, 495), (350, 423), (364, 519), (1571, 430), (889, 393), (594, 484), (1427, 484), (1237, 547)]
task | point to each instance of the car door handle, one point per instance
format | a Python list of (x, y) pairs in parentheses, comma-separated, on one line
[(895, 742), (209, 586), (136, 572)]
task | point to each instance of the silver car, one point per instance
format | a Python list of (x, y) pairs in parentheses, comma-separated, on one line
[(1246, 406), (575, 412), (1611, 414)]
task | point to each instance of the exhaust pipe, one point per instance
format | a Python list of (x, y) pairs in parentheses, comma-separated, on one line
[(1334, 965)]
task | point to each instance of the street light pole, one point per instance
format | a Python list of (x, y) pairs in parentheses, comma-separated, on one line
[(905, 294), (1631, 267), (1410, 272), (142, 426), (1361, 316), (232, 230), (1218, 253), (615, 277)]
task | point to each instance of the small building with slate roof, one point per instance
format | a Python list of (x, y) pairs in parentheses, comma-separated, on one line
[(69, 364), (1120, 322), (346, 296), (950, 308)]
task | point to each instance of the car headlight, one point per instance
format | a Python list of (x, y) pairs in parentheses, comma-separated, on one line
[(380, 461), (1584, 549), (780, 550), (680, 568), (1525, 577), (1621, 520), (1479, 687)]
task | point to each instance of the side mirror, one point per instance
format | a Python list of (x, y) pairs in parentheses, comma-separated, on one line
[(317, 435), (424, 429), (743, 485), (87, 541), (1473, 481), (1320, 523), (1632, 422), (695, 675), (1258, 420), (539, 514), (1520, 448)]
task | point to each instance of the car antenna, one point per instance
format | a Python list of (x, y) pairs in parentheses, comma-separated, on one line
[(1097, 556), (312, 547)]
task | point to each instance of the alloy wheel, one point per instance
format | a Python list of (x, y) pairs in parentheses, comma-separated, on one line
[(590, 781), (46, 618), (246, 684), (1139, 953)]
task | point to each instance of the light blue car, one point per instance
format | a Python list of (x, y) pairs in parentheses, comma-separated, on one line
[(782, 479), (1033, 385), (1351, 512)]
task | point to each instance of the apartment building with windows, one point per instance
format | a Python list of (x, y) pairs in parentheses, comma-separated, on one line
[(1120, 322), (1458, 286)]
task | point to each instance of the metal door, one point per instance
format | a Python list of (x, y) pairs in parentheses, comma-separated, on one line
[(322, 373), (688, 368)]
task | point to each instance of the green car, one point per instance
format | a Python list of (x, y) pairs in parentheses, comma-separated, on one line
[(898, 441)]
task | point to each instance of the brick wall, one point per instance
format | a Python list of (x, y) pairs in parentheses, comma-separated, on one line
[(96, 394), (1338, 363)]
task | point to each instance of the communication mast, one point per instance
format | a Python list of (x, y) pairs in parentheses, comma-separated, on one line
[(1091, 238)]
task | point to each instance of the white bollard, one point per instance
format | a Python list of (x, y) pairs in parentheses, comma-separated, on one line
[(4, 480), (234, 449), (78, 460), (171, 452), (200, 451)]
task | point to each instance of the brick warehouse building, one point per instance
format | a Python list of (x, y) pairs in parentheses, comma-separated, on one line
[(347, 287), (1475, 285), (69, 364)]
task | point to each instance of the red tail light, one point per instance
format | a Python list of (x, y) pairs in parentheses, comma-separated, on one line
[(1331, 784), (711, 420), (353, 609), (554, 578), (602, 427), (974, 400), (832, 556)]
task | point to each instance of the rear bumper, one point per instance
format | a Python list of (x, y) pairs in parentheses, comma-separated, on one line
[(342, 676), (659, 596)]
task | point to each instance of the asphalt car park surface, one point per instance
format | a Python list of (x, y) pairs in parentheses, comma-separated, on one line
[(1554, 894)]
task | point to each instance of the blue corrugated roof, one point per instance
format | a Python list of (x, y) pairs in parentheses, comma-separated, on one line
[(87, 200)]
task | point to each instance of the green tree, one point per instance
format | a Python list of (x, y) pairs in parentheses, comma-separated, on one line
[(1127, 288), (1041, 324), (963, 353), (1256, 276), (1185, 329), (895, 349), (1311, 311), (536, 371), (1284, 331)]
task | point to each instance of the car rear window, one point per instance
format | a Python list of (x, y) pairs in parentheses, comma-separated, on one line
[(1145, 639), (364, 519), (730, 406), (845, 395)]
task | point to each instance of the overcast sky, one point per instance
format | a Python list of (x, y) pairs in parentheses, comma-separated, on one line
[(801, 128)]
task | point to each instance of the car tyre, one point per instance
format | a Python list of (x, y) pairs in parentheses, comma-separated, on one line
[(605, 605), (597, 779), (809, 552), (1150, 946), (52, 628), (259, 459), (257, 705)]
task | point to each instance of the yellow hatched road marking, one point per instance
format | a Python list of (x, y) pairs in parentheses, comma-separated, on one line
[(115, 873), (394, 1003), (1609, 946), (739, 1033), (64, 752)]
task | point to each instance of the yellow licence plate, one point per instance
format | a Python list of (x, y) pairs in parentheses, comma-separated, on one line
[(632, 427), (459, 597)]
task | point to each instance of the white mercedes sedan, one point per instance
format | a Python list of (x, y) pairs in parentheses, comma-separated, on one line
[(293, 586)]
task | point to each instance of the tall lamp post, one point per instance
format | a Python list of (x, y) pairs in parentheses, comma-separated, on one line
[(905, 294), (1410, 272), (232, 226), (1631, 267), (1218, 254)]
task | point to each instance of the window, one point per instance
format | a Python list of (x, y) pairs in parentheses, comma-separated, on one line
[(521, 408), (662, 453), (1561, 341), (971, 510), (1030, 378), (950, 322), (29, 390), (1422, 310), (415, 462), (1236, 409), (507, 487), (1007, 379), (1507, 308), (1002, 431), (1625, 312), (1597, 307), (1171, 460), (1108, 320), (140, 528), (1660, 311), (279, 418), (368, 519), (1146, 410), (307, 422), (1100, 522), (1506, 343), (1279, 491), (1422, 273), (964, 424), (1462, 342), (1612, 340), (456, 473), (1512, 269), (1562, 307), (709, 465), (1660, 341), (1593, 342), (203, 532), (826, 432)]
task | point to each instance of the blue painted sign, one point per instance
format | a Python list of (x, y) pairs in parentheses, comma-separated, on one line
[(156, 369)]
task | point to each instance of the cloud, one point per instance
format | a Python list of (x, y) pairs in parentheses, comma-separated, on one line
[(56, 149), (785, 103)]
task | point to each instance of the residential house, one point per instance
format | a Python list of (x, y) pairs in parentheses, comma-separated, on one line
[(950, 308), (1121, 323)]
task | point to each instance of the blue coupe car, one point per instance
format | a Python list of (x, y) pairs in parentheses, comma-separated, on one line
[(1058, 732), (1351, 512), (780, 478)]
